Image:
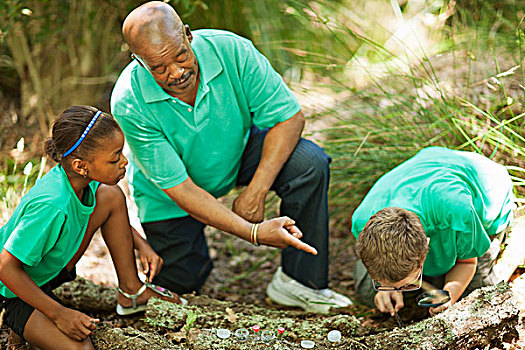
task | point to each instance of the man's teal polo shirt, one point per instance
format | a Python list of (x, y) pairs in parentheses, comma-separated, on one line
[(171, 140), (461, 198)]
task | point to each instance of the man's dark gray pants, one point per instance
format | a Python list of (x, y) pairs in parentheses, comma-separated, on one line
[(302, 185)]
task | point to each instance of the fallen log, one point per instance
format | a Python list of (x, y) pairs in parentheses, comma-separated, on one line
[(84, 295), (487, 316), (171, 319), (205, 315), (129, 338)]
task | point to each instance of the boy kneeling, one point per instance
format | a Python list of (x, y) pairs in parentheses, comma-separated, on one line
[(440, 216)]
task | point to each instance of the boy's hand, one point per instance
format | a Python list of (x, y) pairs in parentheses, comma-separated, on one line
[(436, 310), (389, 302), (455, 293), (75, 324), (456, 281)]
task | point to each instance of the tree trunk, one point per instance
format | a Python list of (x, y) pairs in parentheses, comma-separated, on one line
[(487, 316)]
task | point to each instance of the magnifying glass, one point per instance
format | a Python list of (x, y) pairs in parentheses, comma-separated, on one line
[(433, 298)]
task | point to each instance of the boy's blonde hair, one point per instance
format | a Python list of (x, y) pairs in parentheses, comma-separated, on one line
[(392, 245)]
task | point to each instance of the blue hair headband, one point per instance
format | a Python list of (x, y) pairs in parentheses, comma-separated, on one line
[(84, 134)]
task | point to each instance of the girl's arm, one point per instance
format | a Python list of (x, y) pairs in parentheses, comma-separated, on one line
[(74, 324), (151, 261), (456, 281)]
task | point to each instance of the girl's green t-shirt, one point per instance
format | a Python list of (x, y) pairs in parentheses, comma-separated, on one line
[(47, 227), (461, 198)]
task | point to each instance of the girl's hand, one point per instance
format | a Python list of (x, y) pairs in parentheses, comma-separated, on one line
[(75, 324), (281, 233), (151, 262)]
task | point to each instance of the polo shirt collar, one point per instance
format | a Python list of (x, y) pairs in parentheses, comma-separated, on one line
[(151, 91), (209, 66), (209, 63)]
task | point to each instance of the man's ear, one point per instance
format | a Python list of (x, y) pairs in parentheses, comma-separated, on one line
[(79, 166), (188, 32)]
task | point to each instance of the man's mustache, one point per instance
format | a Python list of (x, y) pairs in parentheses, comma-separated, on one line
[(184, 77)]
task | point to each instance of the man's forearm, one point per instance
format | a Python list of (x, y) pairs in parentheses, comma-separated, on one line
[(279, 144), (278, 232), (204, 207)]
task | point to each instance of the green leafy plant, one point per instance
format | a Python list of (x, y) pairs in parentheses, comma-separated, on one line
[(190, 320)]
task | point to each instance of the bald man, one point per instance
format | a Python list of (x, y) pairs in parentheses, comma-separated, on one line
[(204, 112)]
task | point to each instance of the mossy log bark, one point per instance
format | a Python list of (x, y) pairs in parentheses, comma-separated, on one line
[(212, 314), (84, 295), (487, 316), (111, 338)]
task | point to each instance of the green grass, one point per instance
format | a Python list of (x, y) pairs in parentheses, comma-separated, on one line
[(474, 102)]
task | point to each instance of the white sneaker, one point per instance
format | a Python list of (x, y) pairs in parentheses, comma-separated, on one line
[(285, 290)]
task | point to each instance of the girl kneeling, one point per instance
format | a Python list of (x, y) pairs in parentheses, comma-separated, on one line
[(53, 225)]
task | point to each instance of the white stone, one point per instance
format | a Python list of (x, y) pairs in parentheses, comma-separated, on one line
[(307, 344), (334, 336), (223, 333)]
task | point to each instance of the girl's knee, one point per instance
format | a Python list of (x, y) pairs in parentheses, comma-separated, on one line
[(110, 202), (111, 196)]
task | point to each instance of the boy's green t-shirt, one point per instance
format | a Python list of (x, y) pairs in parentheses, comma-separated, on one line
[(47, 227), (171, 140), (461, 198)]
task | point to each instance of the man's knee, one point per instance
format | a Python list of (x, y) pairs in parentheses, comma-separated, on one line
[(182, 245), (309, 158)]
